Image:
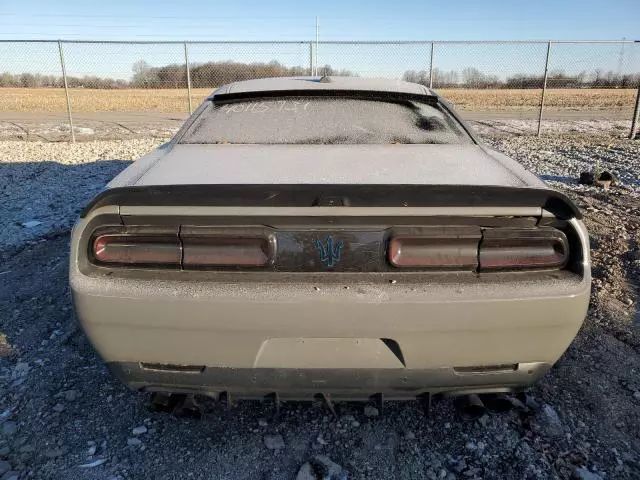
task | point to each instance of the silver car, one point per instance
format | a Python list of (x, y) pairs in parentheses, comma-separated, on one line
[(335, 236)]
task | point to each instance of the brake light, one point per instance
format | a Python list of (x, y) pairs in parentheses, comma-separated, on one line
[(137, 250), (225, 252), (495, 249), (173, 250), (425, 252), (523, 249)]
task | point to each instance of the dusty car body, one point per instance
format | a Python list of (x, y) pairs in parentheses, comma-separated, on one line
[(342, 236)]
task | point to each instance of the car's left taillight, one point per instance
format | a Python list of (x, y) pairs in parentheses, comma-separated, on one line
[(123, 249), (225, 251), (191, 250)]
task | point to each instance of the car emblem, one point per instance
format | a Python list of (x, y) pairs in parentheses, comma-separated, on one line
[(329, 251)]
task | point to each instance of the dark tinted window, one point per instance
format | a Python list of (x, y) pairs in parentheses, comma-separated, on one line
[(324, 120)]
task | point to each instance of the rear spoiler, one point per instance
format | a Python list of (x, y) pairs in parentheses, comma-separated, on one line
[(301, 195), (342, 93)]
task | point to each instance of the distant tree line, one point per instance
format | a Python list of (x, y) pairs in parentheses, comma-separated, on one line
[(205, 75), (36, 80), (214, 74), (474, 78)]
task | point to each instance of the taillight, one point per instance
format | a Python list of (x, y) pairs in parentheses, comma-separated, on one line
[(429, 252), (123, 249), (192, 250), (225, 252), (495, 249), (508, 249)]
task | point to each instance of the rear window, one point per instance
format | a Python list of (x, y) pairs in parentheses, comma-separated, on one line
[(324, 120)]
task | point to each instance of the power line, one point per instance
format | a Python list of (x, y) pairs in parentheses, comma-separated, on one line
[(169, 17), (358, 18), (327, 40), (85, 25), (159, 36)]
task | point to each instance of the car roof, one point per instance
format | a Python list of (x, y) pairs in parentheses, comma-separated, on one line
[(323, 83)]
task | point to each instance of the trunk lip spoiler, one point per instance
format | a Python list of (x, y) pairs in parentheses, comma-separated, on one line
[(384, 95), (308, 195)]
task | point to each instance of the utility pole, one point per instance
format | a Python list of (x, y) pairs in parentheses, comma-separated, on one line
[(431, 67), (186, 65), (621, 57)]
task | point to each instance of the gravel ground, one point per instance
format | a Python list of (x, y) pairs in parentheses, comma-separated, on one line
[(59, 131), (49, 183), (63, 416), (599, 127)]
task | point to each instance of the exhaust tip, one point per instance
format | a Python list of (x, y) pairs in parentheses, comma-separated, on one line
[(470, 405), (497, 403)]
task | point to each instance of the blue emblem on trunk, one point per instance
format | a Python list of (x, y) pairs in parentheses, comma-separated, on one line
[(329, 250)]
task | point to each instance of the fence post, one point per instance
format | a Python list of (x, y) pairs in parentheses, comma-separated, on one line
[(431, 68), (310, 58), (636, 114), (66, 91), (317, 38), (544, 87), (186, 64)]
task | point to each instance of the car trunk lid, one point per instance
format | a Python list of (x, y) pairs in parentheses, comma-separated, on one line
[(462, 164)]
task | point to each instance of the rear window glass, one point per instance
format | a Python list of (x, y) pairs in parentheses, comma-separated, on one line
[(324, 120)]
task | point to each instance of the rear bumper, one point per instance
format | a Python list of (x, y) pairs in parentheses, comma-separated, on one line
[(341, 384), (300, 339), (347, 335)]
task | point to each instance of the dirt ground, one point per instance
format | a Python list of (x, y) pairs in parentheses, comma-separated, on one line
[(63, 416)]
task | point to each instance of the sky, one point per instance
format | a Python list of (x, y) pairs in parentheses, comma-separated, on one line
[(296, 20), (339, 20)]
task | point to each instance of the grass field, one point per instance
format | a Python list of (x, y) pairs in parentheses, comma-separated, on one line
[(175, 100)]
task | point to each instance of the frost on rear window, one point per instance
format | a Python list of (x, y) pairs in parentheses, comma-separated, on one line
[(322, 120)]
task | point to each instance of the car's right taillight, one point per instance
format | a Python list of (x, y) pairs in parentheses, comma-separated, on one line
[(428, 252), (493, 249), (515, 249)]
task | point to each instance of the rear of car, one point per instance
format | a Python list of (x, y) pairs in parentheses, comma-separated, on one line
[(336, 239)]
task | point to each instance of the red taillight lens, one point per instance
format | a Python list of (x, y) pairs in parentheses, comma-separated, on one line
[(192, 250), (508, 249), (137, 249), (225, 252), (495, 249), (427, 252)]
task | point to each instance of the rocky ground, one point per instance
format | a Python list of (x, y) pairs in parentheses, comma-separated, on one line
[(63, 416)]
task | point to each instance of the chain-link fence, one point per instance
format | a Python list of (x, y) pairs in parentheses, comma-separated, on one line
[(521, 86)]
